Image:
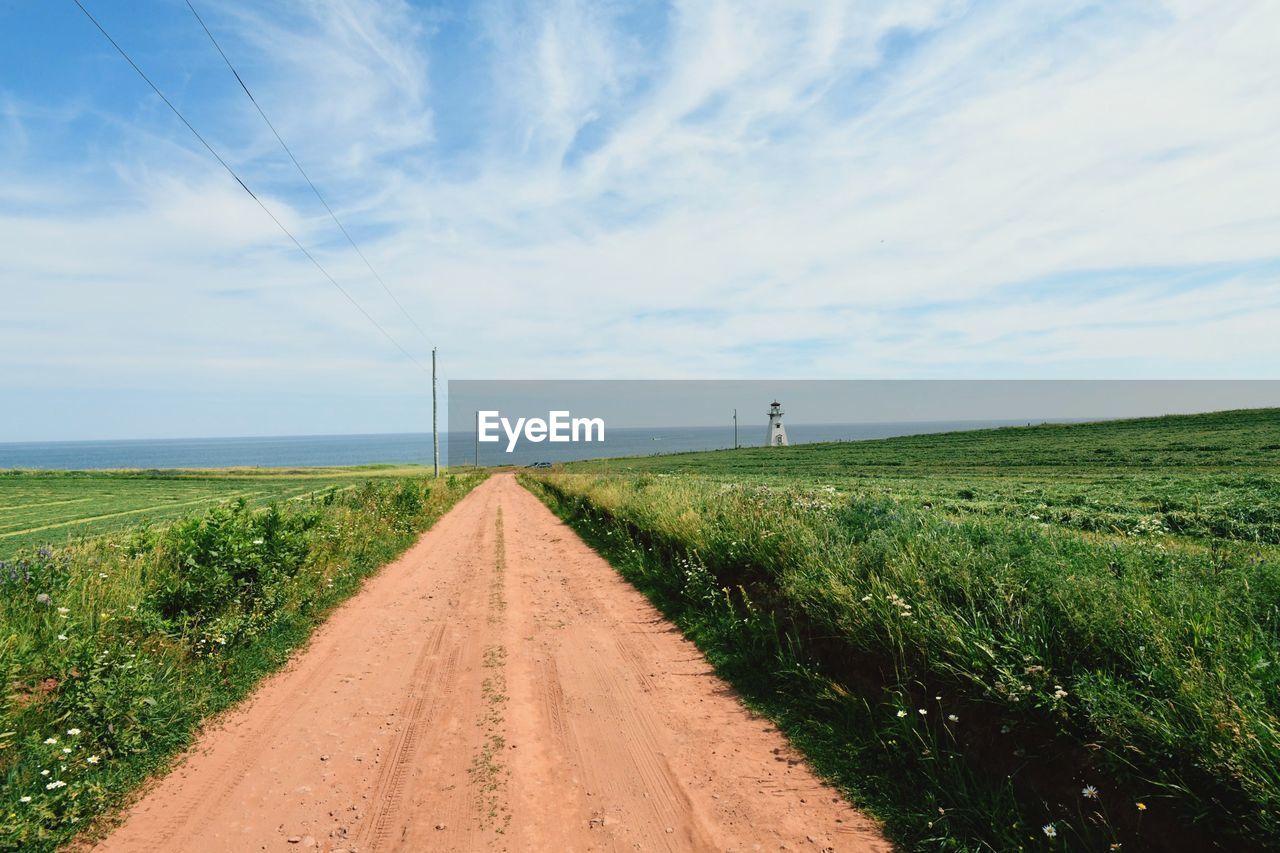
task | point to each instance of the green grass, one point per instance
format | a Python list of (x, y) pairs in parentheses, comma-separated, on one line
[(1207, 476), (114, 649), (57, 507), (1110, 623)]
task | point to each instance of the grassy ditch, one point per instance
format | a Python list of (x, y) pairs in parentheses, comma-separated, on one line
[(114, 650), (978, 682)]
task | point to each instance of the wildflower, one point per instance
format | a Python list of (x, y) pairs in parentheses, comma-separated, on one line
[(62, 637), (1142, 807), (64, 610), (43, 598), (66, 750), (924, 712), (54, 785), (102, 575), (50, 741), (24, 799), (1058, 692), (1089, 792), (44, 772), (73, 732), (92, 759), (902, 714), (1049, 830), (953, 718)]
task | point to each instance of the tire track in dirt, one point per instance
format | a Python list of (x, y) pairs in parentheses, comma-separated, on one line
[(499, 687), (457, 799), (425, 693)]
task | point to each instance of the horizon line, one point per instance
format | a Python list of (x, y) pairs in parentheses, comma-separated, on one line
[(1031, 421)]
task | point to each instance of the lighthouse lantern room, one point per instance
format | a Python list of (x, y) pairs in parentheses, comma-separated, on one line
[(777, 432)]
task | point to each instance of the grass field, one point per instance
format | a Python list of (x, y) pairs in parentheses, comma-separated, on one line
[(1212, 475), (1056, 636), (56, 507)]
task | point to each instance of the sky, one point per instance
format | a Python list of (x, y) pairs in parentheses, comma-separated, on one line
[(676, 403), (925, 189)]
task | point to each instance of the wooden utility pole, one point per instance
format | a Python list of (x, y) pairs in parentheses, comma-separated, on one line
[(735, 429), (435, 432)]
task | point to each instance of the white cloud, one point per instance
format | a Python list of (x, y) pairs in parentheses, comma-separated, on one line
[(348, 79), (739, 189)]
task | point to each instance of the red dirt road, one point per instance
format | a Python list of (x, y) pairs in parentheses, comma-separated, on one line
[(497, 688)]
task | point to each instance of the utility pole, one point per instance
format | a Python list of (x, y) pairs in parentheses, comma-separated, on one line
[(735, 429), (435, 432)]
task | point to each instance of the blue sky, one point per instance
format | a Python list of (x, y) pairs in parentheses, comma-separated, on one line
[(909, 189)]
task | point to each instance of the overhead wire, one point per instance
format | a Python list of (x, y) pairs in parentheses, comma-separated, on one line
[(303, 172), (245, 186)]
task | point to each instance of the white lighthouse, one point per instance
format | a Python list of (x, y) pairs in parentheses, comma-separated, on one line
[(777, 432)]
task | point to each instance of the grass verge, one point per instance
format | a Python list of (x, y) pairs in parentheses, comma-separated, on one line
[(114, 650)]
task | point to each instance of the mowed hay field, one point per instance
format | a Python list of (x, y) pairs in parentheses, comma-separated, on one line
[(57, 507), (1053, 637)]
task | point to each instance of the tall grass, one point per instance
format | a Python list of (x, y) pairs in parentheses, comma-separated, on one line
[(1006, 683), (113, 651)]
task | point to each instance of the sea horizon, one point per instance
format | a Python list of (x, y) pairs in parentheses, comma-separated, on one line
[(348, 449)]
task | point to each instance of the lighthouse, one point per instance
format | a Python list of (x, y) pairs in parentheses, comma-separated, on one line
[(777, 432)]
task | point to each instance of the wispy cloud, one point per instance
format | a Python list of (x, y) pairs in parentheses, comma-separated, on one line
[(710, 188)]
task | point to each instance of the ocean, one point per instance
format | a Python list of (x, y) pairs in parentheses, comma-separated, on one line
[(415, 448)]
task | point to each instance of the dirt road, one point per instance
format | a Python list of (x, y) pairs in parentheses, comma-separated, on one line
[(497, 688)]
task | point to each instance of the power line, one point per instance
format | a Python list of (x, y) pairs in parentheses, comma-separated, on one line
[(245, 186), (303, 172)]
